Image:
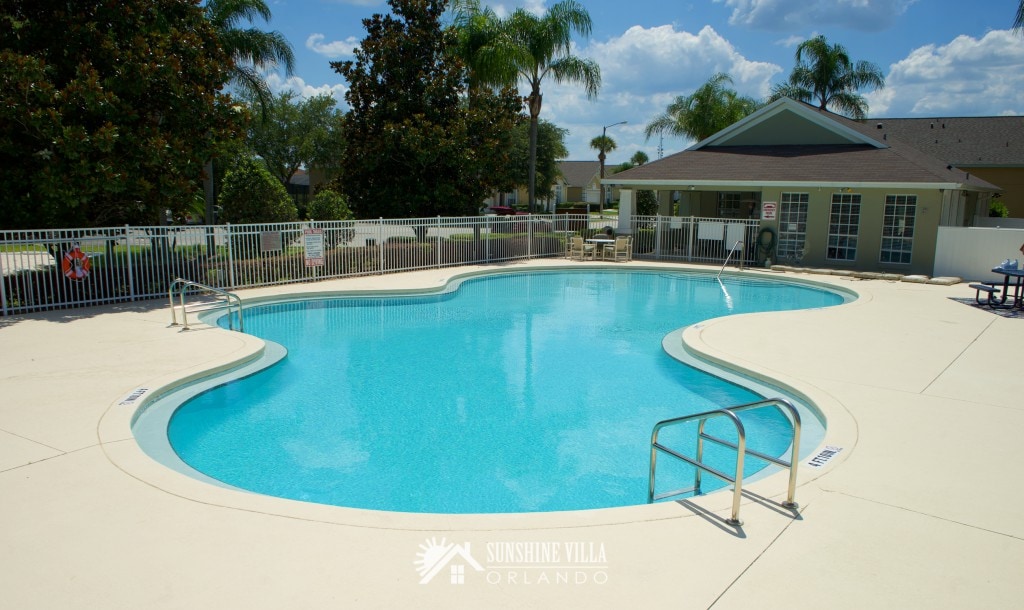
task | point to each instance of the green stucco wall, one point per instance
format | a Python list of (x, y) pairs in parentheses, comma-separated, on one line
[(929, 207)]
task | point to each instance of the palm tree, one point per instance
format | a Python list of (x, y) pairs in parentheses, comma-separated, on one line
[(541, 46), (825, 75), (603, 145), (709, 109), (482, 46), (639, 158), (1018, 21), (251, 48)]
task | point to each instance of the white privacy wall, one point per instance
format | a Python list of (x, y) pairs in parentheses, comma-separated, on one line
[(971, 252)]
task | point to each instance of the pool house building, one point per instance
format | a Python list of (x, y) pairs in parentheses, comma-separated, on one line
[(827, 190)]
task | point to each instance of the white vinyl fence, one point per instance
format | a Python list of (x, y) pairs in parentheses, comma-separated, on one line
[(971, 252)]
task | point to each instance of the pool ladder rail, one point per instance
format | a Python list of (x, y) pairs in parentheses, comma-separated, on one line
[(736, 246), (740, 446), (229, 301)]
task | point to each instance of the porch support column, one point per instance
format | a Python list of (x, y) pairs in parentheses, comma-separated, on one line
[(625, 211)]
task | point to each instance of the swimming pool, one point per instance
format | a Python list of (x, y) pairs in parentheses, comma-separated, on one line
[(507, 393)]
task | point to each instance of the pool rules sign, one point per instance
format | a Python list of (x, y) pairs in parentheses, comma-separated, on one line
[(313, 241)]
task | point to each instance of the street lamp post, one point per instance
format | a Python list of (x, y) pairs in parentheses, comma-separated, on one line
[(601, 157)]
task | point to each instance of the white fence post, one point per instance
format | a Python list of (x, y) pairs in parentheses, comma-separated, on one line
[(657, 237), (231, 258), (380, 245), (128, 258)]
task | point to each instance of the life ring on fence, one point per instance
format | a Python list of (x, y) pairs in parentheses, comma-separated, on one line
[(76, 264)]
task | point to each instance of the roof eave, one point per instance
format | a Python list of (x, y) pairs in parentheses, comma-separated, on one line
[(759, 184)]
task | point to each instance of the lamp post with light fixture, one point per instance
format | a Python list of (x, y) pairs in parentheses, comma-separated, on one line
[(601, 157)]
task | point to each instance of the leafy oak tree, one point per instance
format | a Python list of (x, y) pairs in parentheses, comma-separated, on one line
[(295, 132), (416, 145), (550, 149), (107, 110), (251, 195)]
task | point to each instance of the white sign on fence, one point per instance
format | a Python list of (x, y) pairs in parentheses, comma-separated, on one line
[(313, 241)]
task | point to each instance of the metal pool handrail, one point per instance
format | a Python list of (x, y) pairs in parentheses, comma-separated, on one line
[(229, 297), (732, 251), (741, 449)]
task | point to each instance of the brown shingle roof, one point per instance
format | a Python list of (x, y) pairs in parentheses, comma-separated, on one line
[(895, 162), (579, 173), (831, 163), (994, 141)]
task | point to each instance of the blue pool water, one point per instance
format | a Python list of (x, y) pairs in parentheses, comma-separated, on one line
[(512, 393)]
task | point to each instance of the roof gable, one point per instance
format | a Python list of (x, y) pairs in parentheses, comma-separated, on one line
[(861, 159), (786, 122), (579, 173)]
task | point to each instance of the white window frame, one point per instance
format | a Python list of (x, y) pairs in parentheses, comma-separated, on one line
[(843, 227), (792, 226), (898, 221)]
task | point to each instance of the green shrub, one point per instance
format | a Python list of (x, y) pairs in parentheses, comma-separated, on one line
[(401, 239), (251, 195), (646, 203), (998, 209), (329, 205)]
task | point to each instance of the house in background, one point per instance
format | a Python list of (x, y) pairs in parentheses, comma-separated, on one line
[(833, 191), (578, 181), (299, 189)]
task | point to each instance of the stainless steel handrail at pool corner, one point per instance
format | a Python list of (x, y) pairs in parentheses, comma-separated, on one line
[(741, 449), (185, 284), (732, 251)]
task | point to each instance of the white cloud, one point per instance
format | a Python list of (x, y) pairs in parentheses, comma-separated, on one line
[(794, 40), (299, 86), (642, 71), (785, 15), (333, 49), (967, 77), (657, 59), (504, 9), (360, 2)]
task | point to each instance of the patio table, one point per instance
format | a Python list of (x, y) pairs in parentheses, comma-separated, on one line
[(600, 243), (1018, 297)]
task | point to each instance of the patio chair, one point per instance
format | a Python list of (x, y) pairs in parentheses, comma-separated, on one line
[(579, 249), (619, 251)]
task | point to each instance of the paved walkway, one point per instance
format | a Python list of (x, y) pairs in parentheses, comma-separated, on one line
[(920, 509)]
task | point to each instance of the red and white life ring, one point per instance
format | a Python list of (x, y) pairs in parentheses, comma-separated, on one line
[(76, 264)]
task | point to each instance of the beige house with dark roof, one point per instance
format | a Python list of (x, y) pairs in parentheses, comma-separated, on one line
[(836, 192), (577, 182)]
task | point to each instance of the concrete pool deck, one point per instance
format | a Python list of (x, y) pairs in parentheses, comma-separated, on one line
[(920, 509)]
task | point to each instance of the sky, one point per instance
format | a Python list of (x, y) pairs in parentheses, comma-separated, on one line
[(940, 58)]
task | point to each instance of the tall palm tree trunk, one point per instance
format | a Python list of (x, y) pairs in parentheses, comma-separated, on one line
[(535, 103)]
